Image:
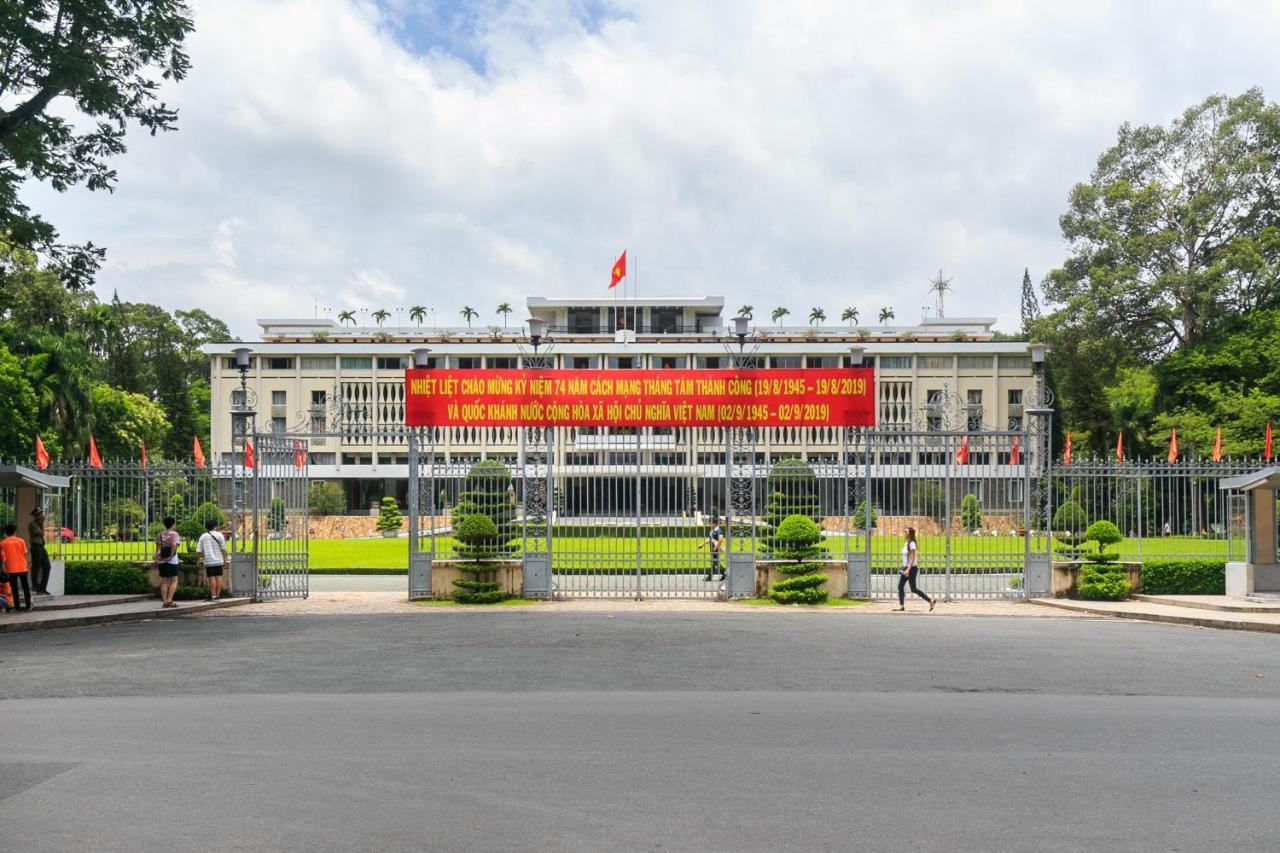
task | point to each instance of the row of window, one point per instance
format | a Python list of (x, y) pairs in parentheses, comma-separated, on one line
[(976, 459), (627, 362)]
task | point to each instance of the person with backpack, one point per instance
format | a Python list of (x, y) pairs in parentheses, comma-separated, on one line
[(166, 560), (211, 550), (13, 556)]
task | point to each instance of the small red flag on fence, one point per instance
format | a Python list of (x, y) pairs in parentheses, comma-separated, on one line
[(197, 452), (962, 455), (1266, 446), (1066, 454), (1120, 447), (95, 461), (248, 453), (1013, 455), (1217, 446), (1173, 446), (42, 455), (144, 455), (299, 455)]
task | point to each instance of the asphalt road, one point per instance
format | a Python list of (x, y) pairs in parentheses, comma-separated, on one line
[(588, 732)]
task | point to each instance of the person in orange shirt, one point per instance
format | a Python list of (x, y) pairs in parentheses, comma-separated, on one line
[(13, 552)]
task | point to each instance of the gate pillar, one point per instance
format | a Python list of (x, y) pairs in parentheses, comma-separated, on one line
[(859, 576), (742, 575), (242, 574), (1036, 581), (537, 575)]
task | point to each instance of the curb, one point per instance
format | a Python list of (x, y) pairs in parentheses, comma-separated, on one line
[(87, 619), (1204, 605), (1170, 618)]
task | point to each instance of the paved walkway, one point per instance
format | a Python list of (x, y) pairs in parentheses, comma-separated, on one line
[(1177, 614), (99, 609)]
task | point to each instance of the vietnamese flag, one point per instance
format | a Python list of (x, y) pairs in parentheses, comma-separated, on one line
[(1217, 446), (1066, 454), (42, 455), (619, 270), (197, 452), (1266, 446), (144, 455), (95, 461), (248, 453), (1013, 455), (299, 455), (1120, 447), (1173, 446), (962, 455)]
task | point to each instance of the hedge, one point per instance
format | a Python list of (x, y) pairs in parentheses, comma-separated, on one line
[(1184, 577), (1102, 583), (800, 589), (87, 577)]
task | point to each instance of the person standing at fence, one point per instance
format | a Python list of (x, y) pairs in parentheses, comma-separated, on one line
[(166, 560), (713, 541), (212, 549), (910, 568), (13, 553), (40, 565)]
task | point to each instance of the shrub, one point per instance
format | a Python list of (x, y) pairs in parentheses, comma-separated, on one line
[(325, 498), (970, 512), (190, 593), (487, 490), (123, 516), (859, 519), (275, 515), (388, 515), (1103, 533), (86, 577), (800, 589), (1102, 583), (1069, 523), (793, 490), (478, 592), (1184, 577), (477, 538), (6, 514), (797, 538)]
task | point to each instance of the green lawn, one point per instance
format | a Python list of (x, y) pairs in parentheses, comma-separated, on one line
[(618, 553)]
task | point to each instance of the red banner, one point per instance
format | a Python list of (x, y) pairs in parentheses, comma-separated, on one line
[(811, 397)]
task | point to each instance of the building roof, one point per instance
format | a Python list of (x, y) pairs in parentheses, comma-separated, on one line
[(1266, 478), (715, 303), (14, 476)]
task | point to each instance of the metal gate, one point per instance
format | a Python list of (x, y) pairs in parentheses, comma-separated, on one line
[(974, 501), (280, 532)]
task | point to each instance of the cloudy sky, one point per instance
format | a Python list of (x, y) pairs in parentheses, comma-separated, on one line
[(348, 154)]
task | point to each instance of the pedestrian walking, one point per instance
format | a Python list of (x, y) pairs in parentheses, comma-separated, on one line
[(910, 568), (713, 541), (13, 555), (40, 565), (166, 560), (212, 554)]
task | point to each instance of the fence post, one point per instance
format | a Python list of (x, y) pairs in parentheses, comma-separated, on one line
[(946, 519)]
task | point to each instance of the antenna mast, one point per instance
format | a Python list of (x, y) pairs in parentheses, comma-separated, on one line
[(939, 286)]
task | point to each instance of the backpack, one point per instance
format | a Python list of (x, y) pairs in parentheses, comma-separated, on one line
[(166, 546)]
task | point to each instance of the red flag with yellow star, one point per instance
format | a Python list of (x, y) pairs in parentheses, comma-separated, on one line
[(619, 270)]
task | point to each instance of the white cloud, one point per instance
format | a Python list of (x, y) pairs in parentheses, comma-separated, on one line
[(833, 153)]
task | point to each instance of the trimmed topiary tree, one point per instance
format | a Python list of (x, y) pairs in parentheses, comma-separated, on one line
[(859, 519), (487, 490), (477, 538), (1102, 534), (192, 527), (970, 512), (389, 516), (1069, 524), (793, 490), (797, 538), (275, 515)]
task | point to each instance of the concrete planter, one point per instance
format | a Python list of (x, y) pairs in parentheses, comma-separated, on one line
[(837, 572), (510, 576), (1064, 575)]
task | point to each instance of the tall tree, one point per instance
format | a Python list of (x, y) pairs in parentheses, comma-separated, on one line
[(1178, 227), (75, 74), (1030, 302), (504, 309), (849, 315), (779, 313), (747, 311), (886, 314), (468, 313), (18, 426), (816, 316), (122, 421)]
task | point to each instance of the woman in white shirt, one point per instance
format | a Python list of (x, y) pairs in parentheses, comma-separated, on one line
[(910, 567)]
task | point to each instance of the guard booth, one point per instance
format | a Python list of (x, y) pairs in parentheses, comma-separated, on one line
[(1259, 574), (23, 489)]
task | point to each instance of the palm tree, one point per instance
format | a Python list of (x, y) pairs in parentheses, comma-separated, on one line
[(850, 316), (816, 316), (779, 313), (886, 314), (347, 317), (468, 313), (380, 316), (417, 314), (504, 309), (745, 311)]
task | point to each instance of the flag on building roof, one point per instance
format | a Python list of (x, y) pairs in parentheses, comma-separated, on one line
[(619, 270)]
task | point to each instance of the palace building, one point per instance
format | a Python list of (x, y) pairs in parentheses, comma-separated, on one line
[(342, 386)]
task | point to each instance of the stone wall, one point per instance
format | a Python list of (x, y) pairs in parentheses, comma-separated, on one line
[(896, 525)]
